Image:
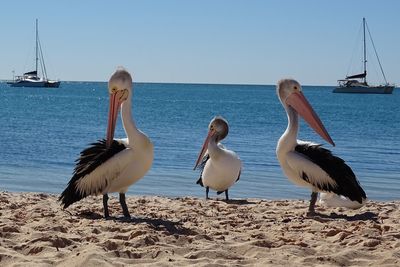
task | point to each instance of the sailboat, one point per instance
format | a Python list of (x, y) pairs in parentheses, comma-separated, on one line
[(32, 78), (357, 83)]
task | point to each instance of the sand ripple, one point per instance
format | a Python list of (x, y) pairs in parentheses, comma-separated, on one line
[(182, 231)]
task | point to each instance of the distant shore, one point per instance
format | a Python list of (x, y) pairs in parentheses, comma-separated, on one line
[(181, 231)]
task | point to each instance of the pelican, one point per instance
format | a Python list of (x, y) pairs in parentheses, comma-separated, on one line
[(220, 167), (112, 165), (308, 164)]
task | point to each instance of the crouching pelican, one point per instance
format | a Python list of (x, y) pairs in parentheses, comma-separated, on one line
[(308, 164), (110, 165), (220, 167)]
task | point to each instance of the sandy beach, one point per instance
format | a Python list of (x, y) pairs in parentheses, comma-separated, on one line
[(35, 231)]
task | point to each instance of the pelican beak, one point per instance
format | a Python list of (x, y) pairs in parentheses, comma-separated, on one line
[(204, 148), (116, 99), (298, 101)]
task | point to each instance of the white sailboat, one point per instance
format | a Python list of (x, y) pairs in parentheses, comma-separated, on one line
[(32, 78), (357, 83)]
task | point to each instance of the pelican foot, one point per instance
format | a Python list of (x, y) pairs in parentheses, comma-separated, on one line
[(207, 191), (125, 219), (317, 216), (226, 195), (123, 205), (311, 209), (311, 213), (105, 206)]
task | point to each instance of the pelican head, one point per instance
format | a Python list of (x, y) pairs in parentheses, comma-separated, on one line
[(119, 87), (217, 130), (291, 96)]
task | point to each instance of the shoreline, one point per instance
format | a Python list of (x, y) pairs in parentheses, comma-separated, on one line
[(180, 231)]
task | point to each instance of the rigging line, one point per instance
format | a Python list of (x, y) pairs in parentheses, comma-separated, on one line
[(42, 60), (376, 54), (30, 54), (354, 52), (372, 66), (36, 51)]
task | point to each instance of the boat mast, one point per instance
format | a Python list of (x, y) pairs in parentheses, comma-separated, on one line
[(37, 56), (365, 54)]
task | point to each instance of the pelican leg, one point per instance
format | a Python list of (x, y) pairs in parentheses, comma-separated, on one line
[(226, 194), (311, 208), (207, 190), (105, 206), (123, 205)]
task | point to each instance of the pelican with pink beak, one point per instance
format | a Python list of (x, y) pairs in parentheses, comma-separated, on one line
[(112, 165), (220, 167), (308, 164)]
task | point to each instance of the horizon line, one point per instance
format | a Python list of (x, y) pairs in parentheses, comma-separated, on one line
[(191, 83)]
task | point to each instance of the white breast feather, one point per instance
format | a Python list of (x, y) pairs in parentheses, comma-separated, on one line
[(221, 170)]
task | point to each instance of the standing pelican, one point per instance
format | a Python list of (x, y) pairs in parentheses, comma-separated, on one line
[(308, 164), (110, 165), (220, 167)]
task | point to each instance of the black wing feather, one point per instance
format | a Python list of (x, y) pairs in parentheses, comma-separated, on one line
[(336, 168), (89, 159), (201, 166), (240, 172)]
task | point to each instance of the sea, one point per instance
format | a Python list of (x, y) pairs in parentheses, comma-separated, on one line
[(42, 132)]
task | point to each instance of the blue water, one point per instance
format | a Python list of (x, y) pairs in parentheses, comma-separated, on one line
[(43, 130)]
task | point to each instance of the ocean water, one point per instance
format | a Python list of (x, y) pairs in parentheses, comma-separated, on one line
[(42, 132)]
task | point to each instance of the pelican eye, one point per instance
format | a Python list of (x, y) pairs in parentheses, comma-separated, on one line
[(295, 88), (114, 89)]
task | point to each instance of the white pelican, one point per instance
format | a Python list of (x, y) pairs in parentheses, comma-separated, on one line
[(220, 167), (110, 165), (308, 164)]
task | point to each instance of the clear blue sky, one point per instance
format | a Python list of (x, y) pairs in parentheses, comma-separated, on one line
[(208, 41)]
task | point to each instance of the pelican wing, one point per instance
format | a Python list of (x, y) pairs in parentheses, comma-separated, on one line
[(95, 168), (240, 172), (201, 166), (329, 173)]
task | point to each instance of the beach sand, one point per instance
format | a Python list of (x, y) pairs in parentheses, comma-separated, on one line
[(35, 231)]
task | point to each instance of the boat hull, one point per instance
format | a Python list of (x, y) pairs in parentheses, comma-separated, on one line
[(364, 89), (48, 84)]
